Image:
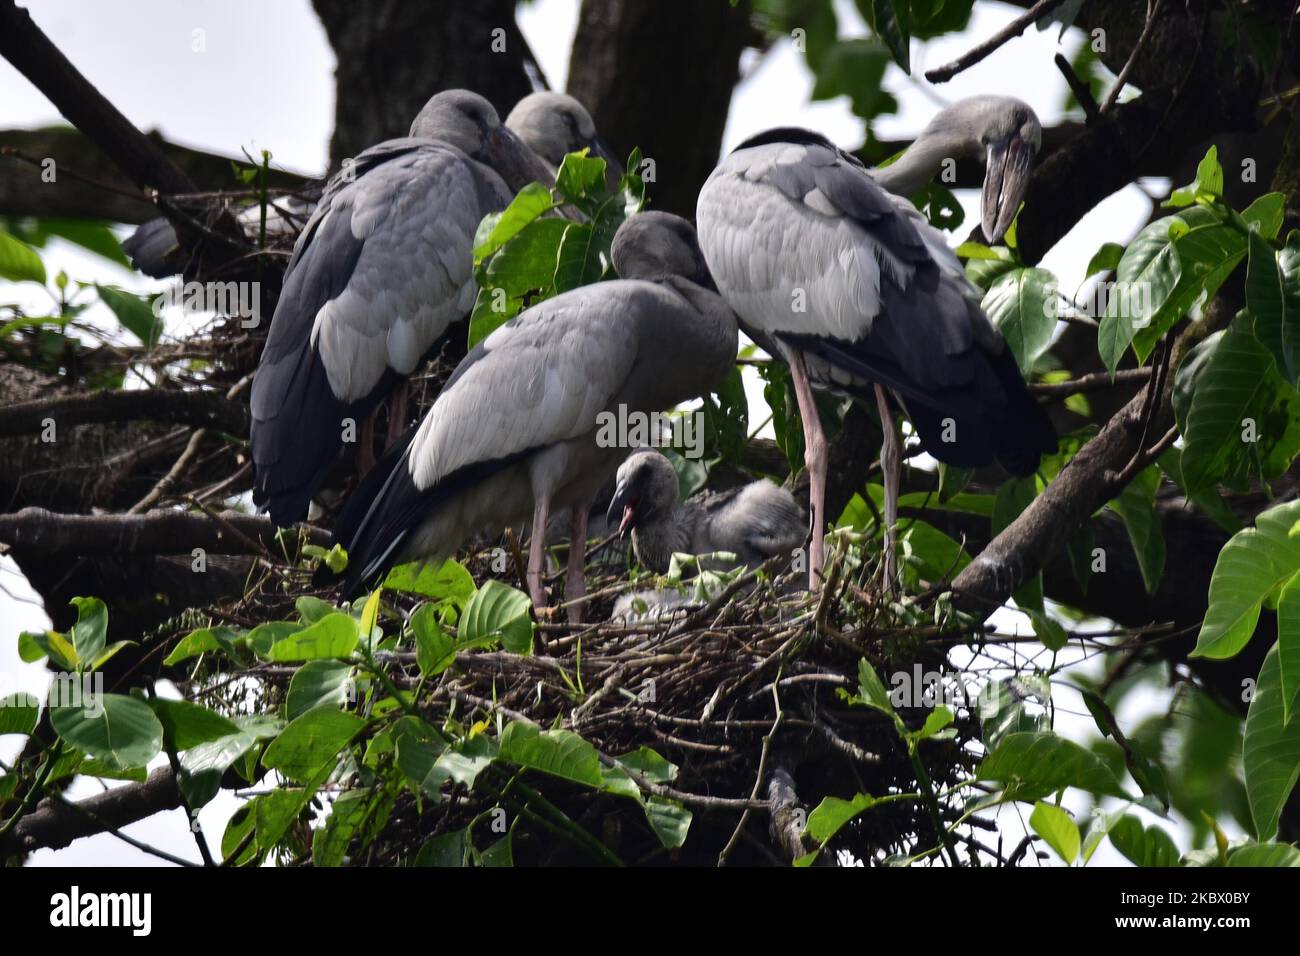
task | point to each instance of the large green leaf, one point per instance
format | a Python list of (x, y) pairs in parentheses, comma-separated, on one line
[(319, 683), (186, 724), (1034, 765), (832, 814), (120, 731), (498, 612), (18, 713), (1143, 846), (448, 581), (134, 312), (18, 261), (333, 636), (1271, 855), (1241, 411), (1023, 305), (560, 753), (91, 630), (1288, 645), (1147, 273), (311, 742), (1058, 829), (889, 21), (347, 813), (203, 766), (1275, 308), (497, 229), (1254, 564), (435, 651), (1271, 752)]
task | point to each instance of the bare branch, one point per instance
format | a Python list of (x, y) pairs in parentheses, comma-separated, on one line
[(203, 409), (1013, 29)]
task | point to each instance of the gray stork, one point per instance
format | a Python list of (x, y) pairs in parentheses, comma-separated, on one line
[(517, 428), (380, 271), (859, 294), (554, 125), (753, 522)]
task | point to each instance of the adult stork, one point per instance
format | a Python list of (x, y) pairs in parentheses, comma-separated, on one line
[(382, 268), (753, 522), (517, 429), (554, 125), (822, 259)]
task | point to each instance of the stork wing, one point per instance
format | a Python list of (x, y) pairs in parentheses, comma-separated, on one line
[(810, 250), (382, 268)]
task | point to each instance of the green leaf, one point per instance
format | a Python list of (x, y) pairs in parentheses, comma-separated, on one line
[(448, 581), (445, 850), (560, 753), (91, 630), (311, 742), (1232, 388), (1271, 750), (134, 312), (19, 262), (18, 714), (872, 693), (201, 641), (330, 843), (1136, 507), (317, 683), (1207, 187), (832, 814), (670, 821), (333, 636), (498, 612), (1023, 305), (854, 68), (1105, 259), (418, 746), (186, 725), (887, 23), (581, 180), (1271, 855), (1034, 765), (435, 651), (1288, 646), (1058, 829), (497, 229), (1145, 276), (1276, 325), (1254, 564), (311, 609), (33, 645), (1267, 212), (120, 731), (935, 556), (203, 766), (1143, 846)]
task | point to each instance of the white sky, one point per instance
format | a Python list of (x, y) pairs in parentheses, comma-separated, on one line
[(265, 80)]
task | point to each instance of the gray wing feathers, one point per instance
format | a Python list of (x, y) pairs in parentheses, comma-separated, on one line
[(531, 383), (754, 522)]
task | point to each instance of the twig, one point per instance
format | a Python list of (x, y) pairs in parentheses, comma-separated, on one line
[(1013, 29), (758, 777), (1080, 89), (1153, 7)]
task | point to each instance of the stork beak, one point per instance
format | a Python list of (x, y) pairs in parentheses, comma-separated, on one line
[(623, 508), (514, 161), (1006, 177)]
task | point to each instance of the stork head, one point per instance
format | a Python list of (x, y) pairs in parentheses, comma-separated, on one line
[(646, 488), (1009, 134), (554, 125), (471, 124), (653, 245)]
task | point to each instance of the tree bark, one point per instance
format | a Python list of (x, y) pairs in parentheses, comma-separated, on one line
[(659, 75), (393, 56)]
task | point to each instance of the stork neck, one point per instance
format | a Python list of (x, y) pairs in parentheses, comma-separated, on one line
[(920, 162)]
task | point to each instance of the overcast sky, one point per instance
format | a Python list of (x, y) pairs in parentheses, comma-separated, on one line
[(265, 80)]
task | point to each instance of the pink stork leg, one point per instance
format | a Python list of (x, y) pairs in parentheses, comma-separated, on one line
[(575, 581), (537, 552), (890, 464), (814, 456)]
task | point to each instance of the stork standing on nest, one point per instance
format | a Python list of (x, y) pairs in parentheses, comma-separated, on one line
[(859, 294), (381, 270), (517, 429)]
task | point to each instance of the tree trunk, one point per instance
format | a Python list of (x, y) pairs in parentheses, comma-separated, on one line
[(393, 56), (659, 76)]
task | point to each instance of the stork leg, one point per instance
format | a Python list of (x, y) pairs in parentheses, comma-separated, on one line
[(397, 414), (537, 552), (814, 456), (575, 580), (890, 465)]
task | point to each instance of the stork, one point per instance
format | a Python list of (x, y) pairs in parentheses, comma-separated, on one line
[(753, 522), (517, 428), (380, 271), (859, 294)]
